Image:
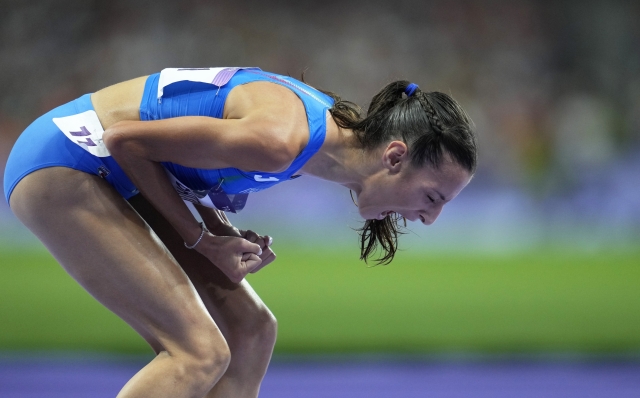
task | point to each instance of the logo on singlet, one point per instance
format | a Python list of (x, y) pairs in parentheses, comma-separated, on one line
[(103, 171), (260, 178)]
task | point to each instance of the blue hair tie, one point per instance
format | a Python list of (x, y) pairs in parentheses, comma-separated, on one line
[(411, 88)]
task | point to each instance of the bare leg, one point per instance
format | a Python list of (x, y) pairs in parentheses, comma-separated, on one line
[(105, 245), (246, 323)]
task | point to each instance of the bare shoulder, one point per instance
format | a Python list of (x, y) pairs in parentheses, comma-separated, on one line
[(264, 127), (277, 114)]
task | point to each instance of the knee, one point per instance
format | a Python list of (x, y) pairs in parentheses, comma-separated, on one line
[(257, 331), (205, 360), (267, 326), (265, 329), (213, 361)]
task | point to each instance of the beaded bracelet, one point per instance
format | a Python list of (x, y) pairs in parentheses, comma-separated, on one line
[(204, 229)]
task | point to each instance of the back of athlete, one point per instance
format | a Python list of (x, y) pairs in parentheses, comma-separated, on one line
[(121, 102)]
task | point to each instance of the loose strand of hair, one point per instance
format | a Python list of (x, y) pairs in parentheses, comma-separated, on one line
[(380, 235)]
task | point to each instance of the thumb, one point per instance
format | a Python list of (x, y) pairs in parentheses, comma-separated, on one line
[(251, 261), (248, 247)]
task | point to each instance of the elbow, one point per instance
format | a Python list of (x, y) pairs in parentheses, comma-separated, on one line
[(270, 147), (277, 153), (277, 160), (115, 138)]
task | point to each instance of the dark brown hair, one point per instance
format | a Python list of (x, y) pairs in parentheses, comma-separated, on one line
[(430, 123)]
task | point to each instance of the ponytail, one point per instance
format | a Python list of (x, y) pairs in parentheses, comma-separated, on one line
[(430, 123)]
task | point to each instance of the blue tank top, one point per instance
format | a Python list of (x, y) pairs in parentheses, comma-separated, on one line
[(202, 92)]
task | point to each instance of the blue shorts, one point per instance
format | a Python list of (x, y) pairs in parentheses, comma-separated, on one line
[(43, 145)]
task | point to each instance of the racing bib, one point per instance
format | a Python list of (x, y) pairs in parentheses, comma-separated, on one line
[(84, 130)]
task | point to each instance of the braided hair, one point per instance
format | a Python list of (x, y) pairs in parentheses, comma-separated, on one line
[(432, 124)]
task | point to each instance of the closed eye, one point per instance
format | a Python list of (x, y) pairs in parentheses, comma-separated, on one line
[(430, 198)]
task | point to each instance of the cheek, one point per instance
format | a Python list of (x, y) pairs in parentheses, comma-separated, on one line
[(379, 195), (366, 203)]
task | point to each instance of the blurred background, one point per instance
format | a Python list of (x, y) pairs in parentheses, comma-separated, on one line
[(540, 254)]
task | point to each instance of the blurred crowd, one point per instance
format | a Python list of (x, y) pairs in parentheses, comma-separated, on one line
[(553, 87)]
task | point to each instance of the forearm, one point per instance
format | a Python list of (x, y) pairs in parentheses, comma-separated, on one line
[(217, 221), (152, 181)]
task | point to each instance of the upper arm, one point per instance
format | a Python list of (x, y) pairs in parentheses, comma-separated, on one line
[(255, 142)]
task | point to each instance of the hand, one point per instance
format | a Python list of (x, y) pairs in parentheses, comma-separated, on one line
[(268, 255), (224, 230), (235, 256)]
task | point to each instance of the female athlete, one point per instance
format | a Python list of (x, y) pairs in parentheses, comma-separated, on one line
[(102, 181)]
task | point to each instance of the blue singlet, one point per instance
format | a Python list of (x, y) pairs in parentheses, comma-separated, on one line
[(171, 93)]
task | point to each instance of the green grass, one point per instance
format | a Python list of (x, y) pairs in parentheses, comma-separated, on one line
[(329, 301)]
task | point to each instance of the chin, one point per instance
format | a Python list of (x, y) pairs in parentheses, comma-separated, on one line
[(371, 215), (367, 215)]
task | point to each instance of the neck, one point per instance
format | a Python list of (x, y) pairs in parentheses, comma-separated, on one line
[(340, 159)]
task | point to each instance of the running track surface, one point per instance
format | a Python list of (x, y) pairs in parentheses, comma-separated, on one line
[(71, 378)]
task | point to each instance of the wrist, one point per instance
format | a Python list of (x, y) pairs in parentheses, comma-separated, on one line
[(203, 231), (225, 230)]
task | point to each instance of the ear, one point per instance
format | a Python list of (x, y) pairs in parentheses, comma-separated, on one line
[(395, 156)]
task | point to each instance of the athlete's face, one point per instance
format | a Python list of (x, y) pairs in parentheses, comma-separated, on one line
[(416, 193)]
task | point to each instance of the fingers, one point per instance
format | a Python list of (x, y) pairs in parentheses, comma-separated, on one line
[(251, 261), (248, 247), (263, 241), (244, 264), (256, 253), (268, 256), (254, 237), (251, 236), (263, 264)]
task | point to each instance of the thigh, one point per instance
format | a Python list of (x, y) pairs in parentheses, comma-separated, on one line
[(105, 245), (229, 304)]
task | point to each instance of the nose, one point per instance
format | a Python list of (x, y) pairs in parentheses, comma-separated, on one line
[(429, 217)]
